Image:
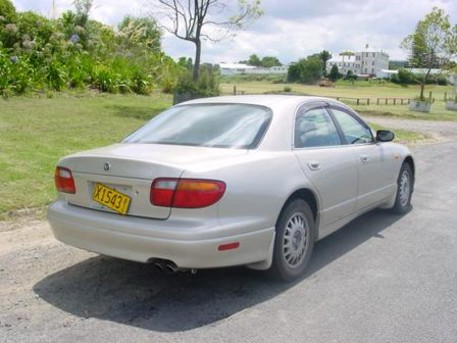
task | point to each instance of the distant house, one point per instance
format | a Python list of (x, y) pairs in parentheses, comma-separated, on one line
[(239, 69), (365, 63)]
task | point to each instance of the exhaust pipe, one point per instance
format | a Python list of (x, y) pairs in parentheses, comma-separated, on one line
[(171, 268), (159, 266)]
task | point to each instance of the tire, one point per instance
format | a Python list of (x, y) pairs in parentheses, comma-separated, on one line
[(294, 241), (405, 186)]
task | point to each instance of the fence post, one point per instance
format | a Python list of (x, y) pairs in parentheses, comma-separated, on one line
[(377, 101), (368, 102), (430, 95), (234, 90), (358, 101), (395, 101), (445, 96)]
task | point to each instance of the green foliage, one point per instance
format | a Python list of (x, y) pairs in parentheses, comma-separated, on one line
[(404, 77), (293, 73), (308, 70), (205, 86), (254, 60), (433, 39), (140, 33), (324, 55), (350, 76), (265, 62), (270, 61), (74, 52), (334, 74), (7, 12)]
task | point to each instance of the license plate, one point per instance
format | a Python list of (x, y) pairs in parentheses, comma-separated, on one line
[(111, 198)]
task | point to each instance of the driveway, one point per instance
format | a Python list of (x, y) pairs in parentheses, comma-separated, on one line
[(382, 278), (436, 130)]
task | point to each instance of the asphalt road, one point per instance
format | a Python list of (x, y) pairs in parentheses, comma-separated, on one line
[(382, 278)]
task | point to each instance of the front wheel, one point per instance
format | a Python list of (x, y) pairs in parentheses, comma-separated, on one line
[(294, 241), (405, 184)]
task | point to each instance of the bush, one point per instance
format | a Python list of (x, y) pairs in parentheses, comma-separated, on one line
[(442, 80), (207, 85)]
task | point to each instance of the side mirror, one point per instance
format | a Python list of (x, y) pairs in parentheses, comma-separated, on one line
[(384, 136)]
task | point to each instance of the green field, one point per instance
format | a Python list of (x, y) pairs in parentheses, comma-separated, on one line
[(362, 90), (36, 132)]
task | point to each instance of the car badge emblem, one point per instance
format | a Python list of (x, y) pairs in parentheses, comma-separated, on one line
[(107, 166)]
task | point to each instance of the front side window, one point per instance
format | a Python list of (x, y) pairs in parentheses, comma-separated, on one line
[(210, 125), (355, 132), (315, 128)]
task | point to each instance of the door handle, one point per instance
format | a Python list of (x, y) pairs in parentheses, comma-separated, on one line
[(314, 165), (364, 158)]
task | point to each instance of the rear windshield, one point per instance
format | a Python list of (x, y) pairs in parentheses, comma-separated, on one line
[(210, 125)]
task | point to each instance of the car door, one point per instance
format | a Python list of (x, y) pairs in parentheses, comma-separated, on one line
[(374, 167), (330, 166)]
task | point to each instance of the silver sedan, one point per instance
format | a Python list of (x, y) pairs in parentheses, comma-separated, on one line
[(217, 182)]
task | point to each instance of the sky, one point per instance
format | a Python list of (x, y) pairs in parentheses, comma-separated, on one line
[(289, 29)]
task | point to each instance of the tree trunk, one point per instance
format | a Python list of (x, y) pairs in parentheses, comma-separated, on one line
[(198, 51), (423, 82), (421, 96)]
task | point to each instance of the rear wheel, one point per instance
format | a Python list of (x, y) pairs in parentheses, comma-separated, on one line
[(405, 184), (294, 241)]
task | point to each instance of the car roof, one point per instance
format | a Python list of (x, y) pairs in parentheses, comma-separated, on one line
[(269, 100)]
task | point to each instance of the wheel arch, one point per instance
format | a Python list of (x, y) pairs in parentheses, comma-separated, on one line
[(311, 199)]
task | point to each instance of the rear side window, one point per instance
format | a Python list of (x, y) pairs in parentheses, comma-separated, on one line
[(209, 125)]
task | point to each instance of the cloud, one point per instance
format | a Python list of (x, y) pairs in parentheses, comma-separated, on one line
[(289, 30)]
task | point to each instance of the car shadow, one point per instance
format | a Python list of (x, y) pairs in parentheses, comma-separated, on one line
[(136, 294)]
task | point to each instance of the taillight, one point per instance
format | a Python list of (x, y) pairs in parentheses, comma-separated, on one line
[(64, 180), (186, 193)]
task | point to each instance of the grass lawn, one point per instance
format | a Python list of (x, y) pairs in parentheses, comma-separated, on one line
[(36, 132), (361, 89)]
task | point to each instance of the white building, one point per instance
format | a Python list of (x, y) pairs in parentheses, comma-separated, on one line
[(369, 62), (238, 69)]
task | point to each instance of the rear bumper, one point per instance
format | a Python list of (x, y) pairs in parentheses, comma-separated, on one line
[(142, 239)]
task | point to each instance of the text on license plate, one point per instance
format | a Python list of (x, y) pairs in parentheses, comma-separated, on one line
[(111, 198)]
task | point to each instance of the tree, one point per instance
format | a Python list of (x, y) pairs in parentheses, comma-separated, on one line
[(254, 60), (311, 70), (307, 70), (431, 41), (270, 61), (334, 73), (194, 20), (293, 73), (324, 55)]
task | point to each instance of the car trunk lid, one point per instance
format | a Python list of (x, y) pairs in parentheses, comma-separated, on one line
[(130, 170)]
